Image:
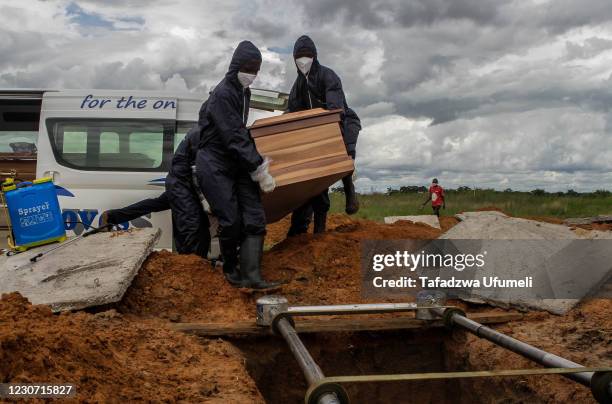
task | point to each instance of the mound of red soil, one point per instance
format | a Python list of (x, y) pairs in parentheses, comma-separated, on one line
[(110, 359), (184, 288), (315, 270), (595, 226), (546, 219)]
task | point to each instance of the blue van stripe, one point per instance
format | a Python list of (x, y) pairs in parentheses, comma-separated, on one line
[(158, 182), (61, 191)]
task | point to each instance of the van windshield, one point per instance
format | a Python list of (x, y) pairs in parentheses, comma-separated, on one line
[(113, 145)]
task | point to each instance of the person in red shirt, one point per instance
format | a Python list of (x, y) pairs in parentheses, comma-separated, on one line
[(436, 196)]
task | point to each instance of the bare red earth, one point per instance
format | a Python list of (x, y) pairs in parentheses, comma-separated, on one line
[(130, 354)]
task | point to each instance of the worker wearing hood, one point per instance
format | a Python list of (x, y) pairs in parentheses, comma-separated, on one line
[(190, 225), (318, 86), (231, 171)]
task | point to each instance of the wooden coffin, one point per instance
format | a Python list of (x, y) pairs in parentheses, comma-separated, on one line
[(308, 155)]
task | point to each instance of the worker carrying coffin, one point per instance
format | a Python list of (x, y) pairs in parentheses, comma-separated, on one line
[(229, 169), (318, 86)]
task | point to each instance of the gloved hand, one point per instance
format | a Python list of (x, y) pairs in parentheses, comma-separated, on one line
[(263, 177)]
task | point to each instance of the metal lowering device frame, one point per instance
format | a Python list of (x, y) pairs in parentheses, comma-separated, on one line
[(275, 312)]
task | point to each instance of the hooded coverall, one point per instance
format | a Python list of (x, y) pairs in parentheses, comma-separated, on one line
[(321, 88), (190, 226), (189, 221), (227, 155)]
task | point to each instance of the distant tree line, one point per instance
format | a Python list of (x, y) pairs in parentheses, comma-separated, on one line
[(413, 189)]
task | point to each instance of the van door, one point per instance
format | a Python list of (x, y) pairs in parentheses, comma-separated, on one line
[(19, 117), (105, 159)]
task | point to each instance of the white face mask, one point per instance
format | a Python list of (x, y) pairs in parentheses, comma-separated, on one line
[(304, 64), (246, 79)]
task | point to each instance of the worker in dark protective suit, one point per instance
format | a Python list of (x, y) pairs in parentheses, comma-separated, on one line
[(135, 210), (189, 221), (190, 224), (231, 172), (318, 86)]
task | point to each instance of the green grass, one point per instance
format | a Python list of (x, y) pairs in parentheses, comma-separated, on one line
[(377, 206)]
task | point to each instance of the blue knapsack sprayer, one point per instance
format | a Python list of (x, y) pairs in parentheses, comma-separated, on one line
[(34, 217), (33, 213)]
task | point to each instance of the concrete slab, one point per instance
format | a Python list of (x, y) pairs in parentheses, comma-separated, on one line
[(560, 263), (492, 225), (430, 220), (92, 271)]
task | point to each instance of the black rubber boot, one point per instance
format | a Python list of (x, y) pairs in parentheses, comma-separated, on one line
[(300, 220), (320, 221), (229, 252), (251, 252), (352, 204)]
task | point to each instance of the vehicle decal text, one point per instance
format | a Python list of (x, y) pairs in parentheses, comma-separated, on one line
[(126, 102)]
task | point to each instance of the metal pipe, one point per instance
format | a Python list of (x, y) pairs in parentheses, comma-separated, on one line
[(312, 371), (535, 354), (368, 308)]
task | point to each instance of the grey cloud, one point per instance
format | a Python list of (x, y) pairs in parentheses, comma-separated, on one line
[(267, 29), (430, 11), (380, 14), (503, 92), (19, 49), (592, 47), (118, 75), (507, 145), (562, 15), (377, 109), (122, 3)]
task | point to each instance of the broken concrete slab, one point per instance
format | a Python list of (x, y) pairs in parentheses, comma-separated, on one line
[(492, 225), (430, 220), (92, 271), (555, 255)]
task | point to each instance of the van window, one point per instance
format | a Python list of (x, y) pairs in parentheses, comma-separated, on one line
[(18, 142), (75, 141), (19, 126), (148, 144), (109, 142), (112, 145), (181, 130)]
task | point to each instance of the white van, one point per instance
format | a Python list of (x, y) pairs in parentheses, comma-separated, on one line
[(104, 149)]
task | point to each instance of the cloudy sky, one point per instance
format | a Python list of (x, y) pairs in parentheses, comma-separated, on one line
[(491, 93)]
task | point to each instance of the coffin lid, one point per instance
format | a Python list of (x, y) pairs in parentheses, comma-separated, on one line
[(294, 120)]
